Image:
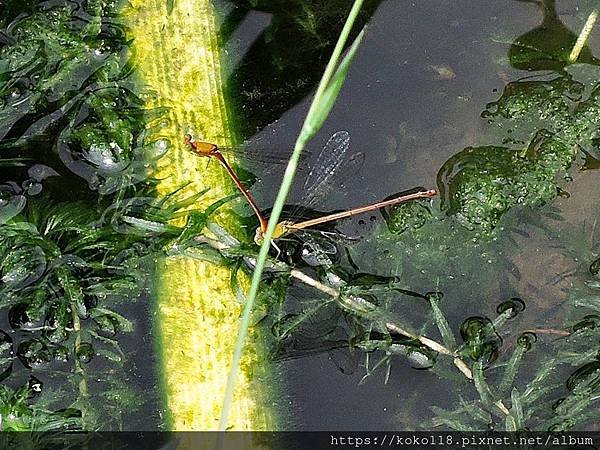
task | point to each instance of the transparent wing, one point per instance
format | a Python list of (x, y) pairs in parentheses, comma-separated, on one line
[(257, 156), (318, 183), (318, 243)]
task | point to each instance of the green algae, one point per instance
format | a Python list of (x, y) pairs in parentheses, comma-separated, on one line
[(543, 126), (409, 216), (540, 123), (481, 184), (79, 225)]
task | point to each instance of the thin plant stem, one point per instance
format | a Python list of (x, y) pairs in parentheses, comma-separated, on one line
[(553, 331), (503, 409), (307, 128), (301, 276), (391, 325), (583, 36), (83, 388), (306, 133)]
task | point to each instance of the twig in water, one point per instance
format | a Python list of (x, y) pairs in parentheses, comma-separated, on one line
[(352, 304), (548, 331), (583, 36)]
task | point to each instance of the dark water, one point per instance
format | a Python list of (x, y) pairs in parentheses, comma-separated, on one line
[(414, 98)]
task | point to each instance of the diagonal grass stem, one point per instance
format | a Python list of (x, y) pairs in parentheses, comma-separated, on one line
[(325, 95)]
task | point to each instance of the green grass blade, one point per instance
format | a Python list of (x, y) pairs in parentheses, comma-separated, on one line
[(333, 88), (305, 134), (516, 410), (308, 131), (512, 367), (442, 324), (170, 6), (583, 36)]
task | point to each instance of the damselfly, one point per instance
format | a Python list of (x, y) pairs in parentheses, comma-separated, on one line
[(287, 226), (330, 169), (209, 150)]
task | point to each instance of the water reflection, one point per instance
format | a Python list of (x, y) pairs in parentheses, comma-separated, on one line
[(547, 47), (287, 59)]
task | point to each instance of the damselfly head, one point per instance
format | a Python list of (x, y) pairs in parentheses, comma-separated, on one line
[(189, 140), (200, 148)]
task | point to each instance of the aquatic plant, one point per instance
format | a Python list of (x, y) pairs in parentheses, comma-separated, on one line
[(79, 223), (71, 271), (543, 126), (539, 125), (510, 379), (560, 389), (69, 274), (66, 73)]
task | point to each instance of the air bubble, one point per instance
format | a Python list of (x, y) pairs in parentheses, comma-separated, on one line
[(514, 304), (590, 321), (526, 340), (26, 317), (35, 385), (34, 354), (595, 268), (587, 376), (6, 355), (85, 352)]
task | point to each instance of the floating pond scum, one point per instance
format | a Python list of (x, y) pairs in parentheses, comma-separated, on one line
[(178, 60)]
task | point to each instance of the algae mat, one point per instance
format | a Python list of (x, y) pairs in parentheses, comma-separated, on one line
[(178, 60)]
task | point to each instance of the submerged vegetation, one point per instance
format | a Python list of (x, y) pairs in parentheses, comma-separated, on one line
[(79, 224), (81, 227)]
